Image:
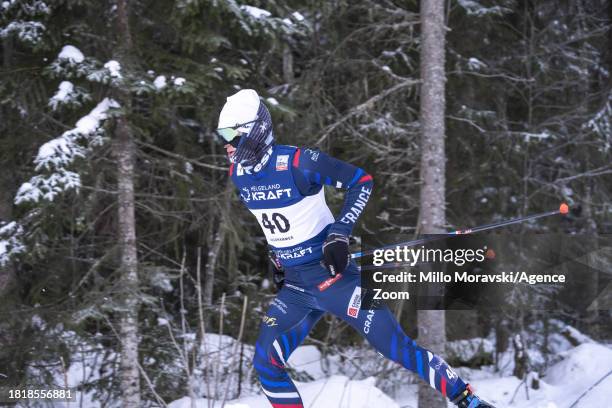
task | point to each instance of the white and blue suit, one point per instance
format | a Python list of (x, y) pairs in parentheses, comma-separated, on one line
[(286, 196)]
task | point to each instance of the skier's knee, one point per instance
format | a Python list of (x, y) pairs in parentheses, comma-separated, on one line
[(264, 360)]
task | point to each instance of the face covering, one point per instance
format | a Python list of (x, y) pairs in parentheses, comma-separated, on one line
[(246, 118)]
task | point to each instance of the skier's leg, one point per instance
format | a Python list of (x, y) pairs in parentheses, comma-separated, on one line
[(386, 335), (382, 330), (286, 324)]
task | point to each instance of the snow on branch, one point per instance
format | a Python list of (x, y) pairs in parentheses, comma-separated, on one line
[(29, 32), (71, 53), (65, 89), (601, 123), (10, 241), (30, 8), (161, 83), (474, 8), (21, 17), (474, 64), (57, 154), (261, 20), (71, 63), (68, 95), (256, 12), (48, 187), (90, 123), (114, 68)]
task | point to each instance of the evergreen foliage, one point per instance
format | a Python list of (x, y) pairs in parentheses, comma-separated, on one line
[(529, 107)]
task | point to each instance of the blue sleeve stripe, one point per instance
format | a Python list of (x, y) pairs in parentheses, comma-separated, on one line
[(419, 360), (394, 347), (358, 174), (406, 352), (294, 340), (286, 344), (328, 180), (406, 359)]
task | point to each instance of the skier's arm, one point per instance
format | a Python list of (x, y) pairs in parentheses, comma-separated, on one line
[(312, 169)]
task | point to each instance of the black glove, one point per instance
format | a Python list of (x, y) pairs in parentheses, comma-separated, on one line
[(277, 270), (336, 253)]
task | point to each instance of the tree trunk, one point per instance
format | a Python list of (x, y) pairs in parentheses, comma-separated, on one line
[(6, 180), (590, 240), (521, 358), (287, 64), (432, 333), (130, 379), (124, 150), (214, 250), (7, 272), (211, 264), (591, 249), (7, 51)]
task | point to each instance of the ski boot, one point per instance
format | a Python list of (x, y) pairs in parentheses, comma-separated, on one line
[(467, 399)]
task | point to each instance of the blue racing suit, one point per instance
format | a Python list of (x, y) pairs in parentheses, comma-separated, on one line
[(287, 198)]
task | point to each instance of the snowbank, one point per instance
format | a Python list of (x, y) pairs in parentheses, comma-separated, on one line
[(563, 383)]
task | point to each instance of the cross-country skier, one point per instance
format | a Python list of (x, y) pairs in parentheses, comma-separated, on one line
[(283, 187)]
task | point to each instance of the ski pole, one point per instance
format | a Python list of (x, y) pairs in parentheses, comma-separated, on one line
[(563, 209)]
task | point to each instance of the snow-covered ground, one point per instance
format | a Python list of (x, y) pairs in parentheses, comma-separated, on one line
[(349, 379), (563, 383), (335, 391)]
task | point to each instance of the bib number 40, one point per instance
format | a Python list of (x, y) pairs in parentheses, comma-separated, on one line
[(275, 221)]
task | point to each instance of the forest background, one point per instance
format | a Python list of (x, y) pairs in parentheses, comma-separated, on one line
[(94, 94)]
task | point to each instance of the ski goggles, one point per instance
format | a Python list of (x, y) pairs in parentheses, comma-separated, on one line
[(230, 133)]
